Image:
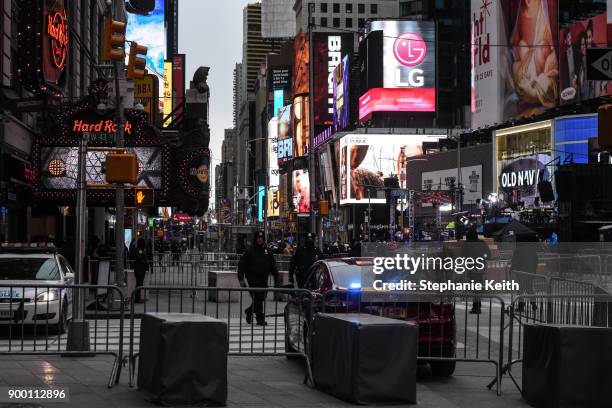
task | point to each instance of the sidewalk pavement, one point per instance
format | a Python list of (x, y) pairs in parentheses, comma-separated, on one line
[(253, 382)]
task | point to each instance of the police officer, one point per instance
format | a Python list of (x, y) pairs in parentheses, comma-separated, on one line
[(256, 264), (303, 259)]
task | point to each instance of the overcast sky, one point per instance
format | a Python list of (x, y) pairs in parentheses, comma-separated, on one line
[(210, 33)]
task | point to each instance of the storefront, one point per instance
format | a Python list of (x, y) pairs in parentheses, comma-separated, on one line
[(523, 158)]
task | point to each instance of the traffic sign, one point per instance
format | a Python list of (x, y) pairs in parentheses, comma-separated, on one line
[(143, 197), (599, 64)]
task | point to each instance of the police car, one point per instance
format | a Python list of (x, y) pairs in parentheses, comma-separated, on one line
[(48, 302)]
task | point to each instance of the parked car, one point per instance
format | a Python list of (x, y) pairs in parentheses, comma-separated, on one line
[(24, 265), (341, 286)]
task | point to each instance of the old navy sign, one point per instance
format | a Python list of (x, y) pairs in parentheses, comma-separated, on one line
[(522, 173)]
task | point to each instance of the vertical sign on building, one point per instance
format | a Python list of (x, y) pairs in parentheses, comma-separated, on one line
[(55, 40), (178, 81), (167, 92), (145, 95), (329, 49)]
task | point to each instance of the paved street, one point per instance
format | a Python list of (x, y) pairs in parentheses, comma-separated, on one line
[(253, 382)]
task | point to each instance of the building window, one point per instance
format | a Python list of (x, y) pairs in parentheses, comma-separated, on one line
[(374, 8), (361, 22), (336, 22), (361, 8), (336, 7), (323, 7), (349, 8), (323, 21), (349, 23)]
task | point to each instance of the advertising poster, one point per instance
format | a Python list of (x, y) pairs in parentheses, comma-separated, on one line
[(301, 192), (167, 92), (55, 41), (301, 54), (487, 33), (178, 81), (279, 81), (329, 50), (366, 159), (575, 40), (272, 149), (442, 180), (301, 126), (150, 31), (284, 149), (341, 112), (409, 69), (273, 202), (531, 62), (145, 93)]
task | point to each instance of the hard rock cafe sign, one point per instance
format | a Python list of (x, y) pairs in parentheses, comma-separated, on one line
[(55, 39), (57, 30)]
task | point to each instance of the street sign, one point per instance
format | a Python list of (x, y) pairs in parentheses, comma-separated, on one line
[(599, 64), (143, 197)]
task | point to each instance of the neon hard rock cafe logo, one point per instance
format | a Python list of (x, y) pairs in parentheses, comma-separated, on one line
[(57, 29)]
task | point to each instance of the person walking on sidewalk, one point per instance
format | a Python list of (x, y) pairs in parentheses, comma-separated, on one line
[(256, 265), (140, 260), (303, 259), (474, 248)]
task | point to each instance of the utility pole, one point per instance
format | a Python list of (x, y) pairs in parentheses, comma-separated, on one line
[(311, 156), (119, 193)]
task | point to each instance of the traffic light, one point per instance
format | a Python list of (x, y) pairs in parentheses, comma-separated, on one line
[(114, 40), (136, 65), (143, 197), (121, 168)]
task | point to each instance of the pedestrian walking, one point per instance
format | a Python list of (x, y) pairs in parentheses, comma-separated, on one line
[(303, 259), (254, 268), (474, 248), (140, 260)]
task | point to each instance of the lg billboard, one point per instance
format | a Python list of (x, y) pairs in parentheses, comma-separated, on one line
[(407, 80)]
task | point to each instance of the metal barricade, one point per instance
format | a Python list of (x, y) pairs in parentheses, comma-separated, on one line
[(288, 321), (35, 319), (586, 309), (448, 332)]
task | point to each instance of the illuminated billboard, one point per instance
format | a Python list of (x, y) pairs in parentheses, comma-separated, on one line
[(301, 126), (272, 149), (273, 202), (328, 51), (168, 91), (301, 54), (341, 108), (150, 31), (366, 159), (408, 68), (284, 149), (301, 192)]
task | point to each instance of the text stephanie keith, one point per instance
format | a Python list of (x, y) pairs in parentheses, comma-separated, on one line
[(448, 286)]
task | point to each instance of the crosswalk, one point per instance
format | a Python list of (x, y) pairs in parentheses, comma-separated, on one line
[(106, 335)]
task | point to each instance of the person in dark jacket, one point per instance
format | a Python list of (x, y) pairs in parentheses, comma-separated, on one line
[(140, 262), (303, 259), (256, 265), (475, 248)]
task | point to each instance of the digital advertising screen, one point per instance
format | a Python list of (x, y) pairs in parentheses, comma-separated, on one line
[(149, 31), (272, 149), (284, 149), (301, 192), (575, 40), (409, 69), (366, 159), (301, 52), (328, 50), (341, 108), (301, 126)]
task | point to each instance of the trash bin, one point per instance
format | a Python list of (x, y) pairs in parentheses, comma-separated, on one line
[(567, 366), (183, 359), (364, 359)]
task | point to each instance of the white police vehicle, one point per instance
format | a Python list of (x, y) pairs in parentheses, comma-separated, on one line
[(42, 304)]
